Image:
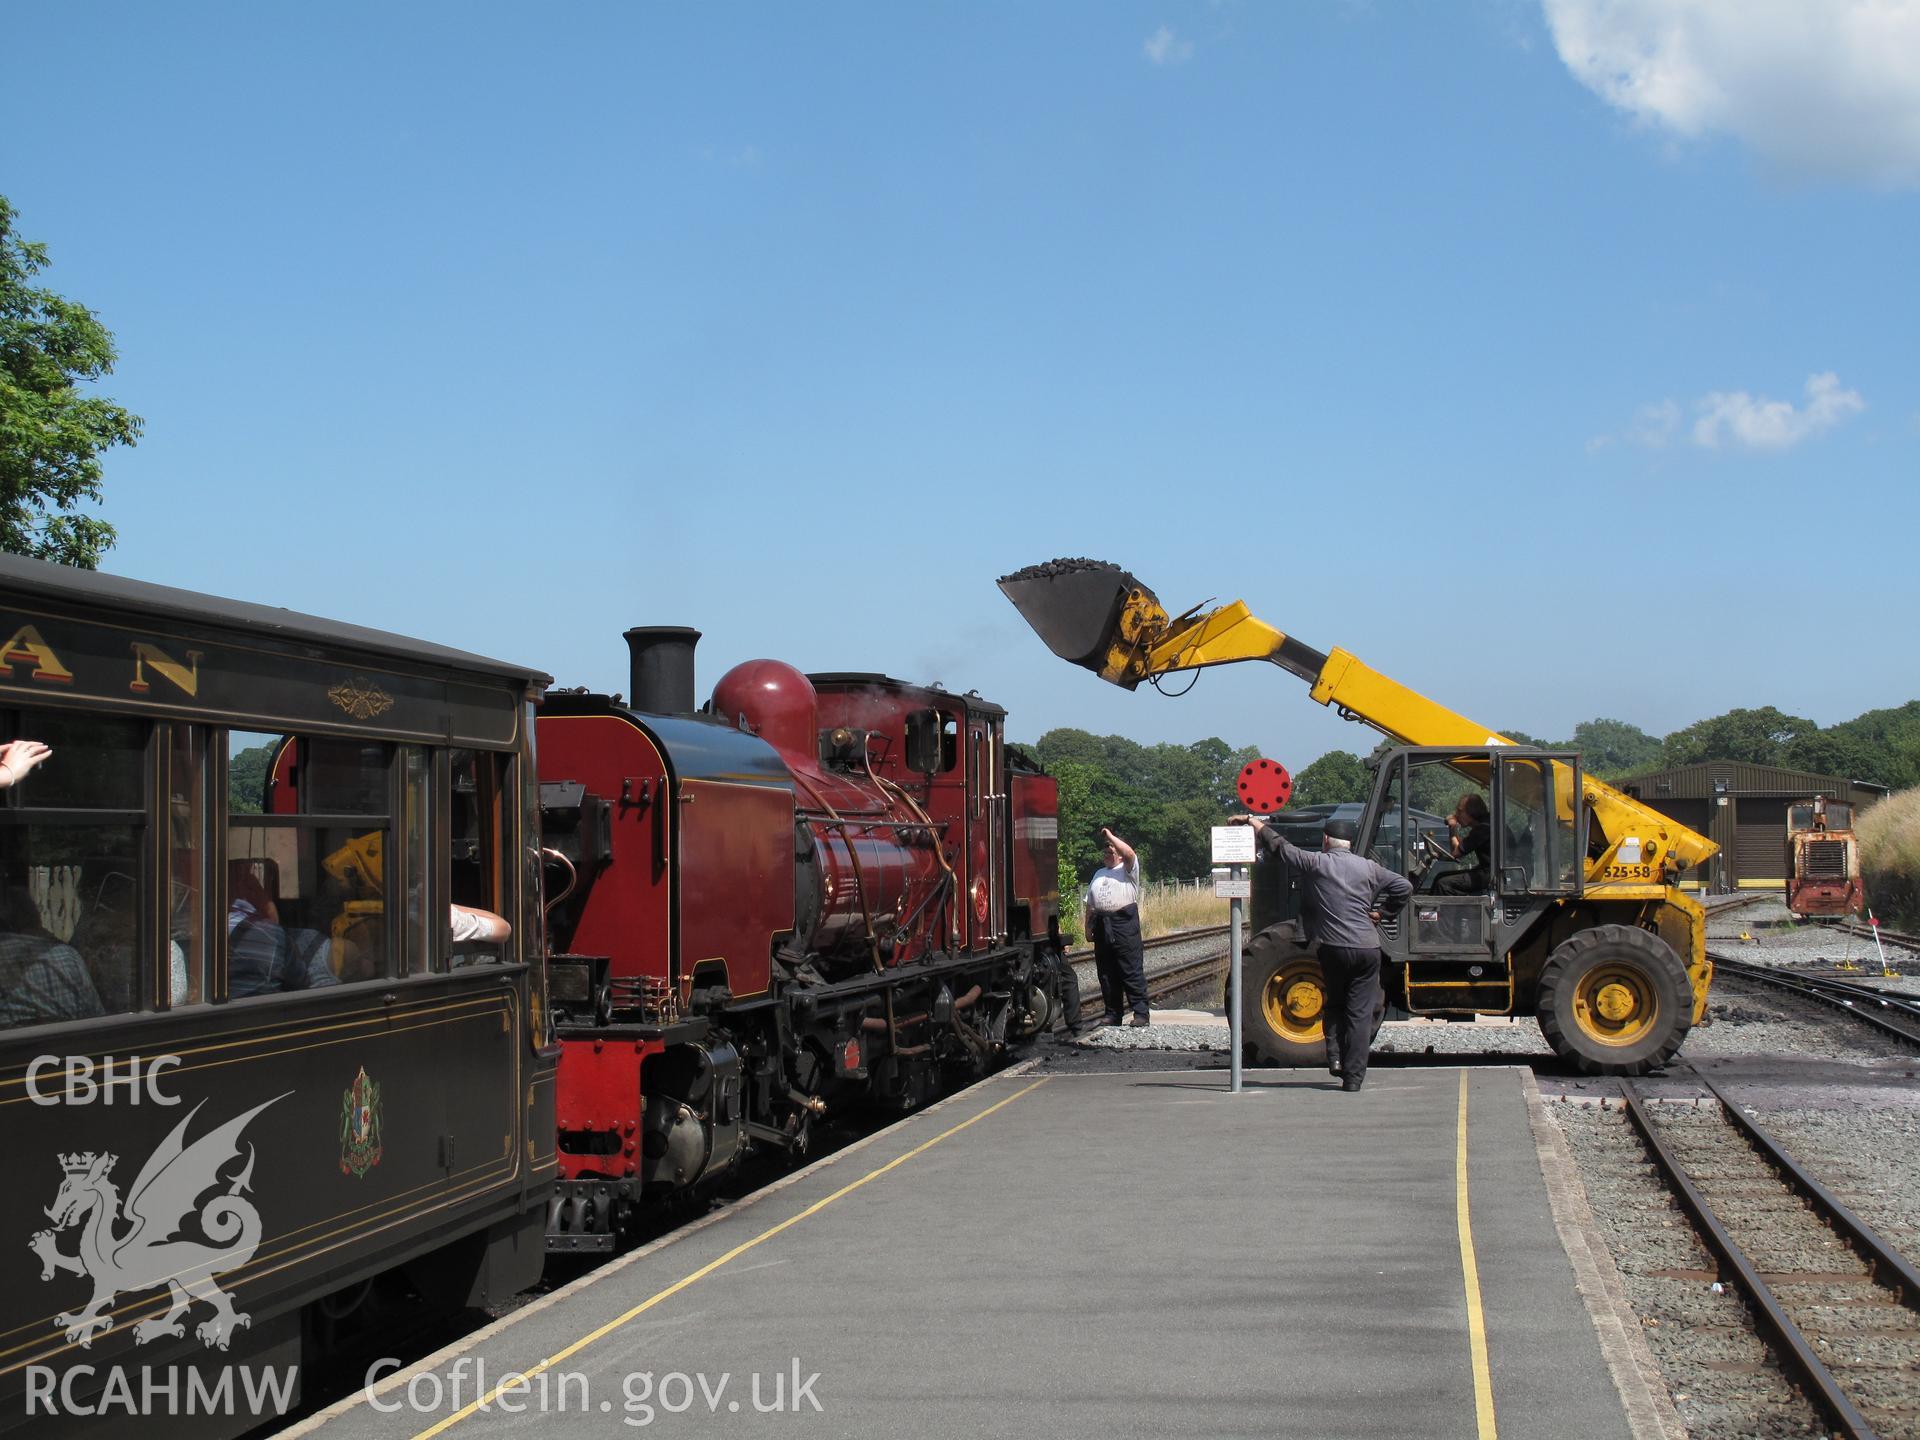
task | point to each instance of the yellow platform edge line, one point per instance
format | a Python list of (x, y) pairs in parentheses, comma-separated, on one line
[(712, 1265), (1470, 1268)]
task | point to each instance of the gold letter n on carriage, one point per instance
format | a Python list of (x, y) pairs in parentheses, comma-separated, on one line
[(187, 676)]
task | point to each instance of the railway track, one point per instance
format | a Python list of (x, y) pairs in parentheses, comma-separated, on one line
[(1083, 955), (1894, 1015), (1166, 980), (1837, 1304)]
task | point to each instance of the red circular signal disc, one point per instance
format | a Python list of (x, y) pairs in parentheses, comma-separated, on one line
[(1265, 786)]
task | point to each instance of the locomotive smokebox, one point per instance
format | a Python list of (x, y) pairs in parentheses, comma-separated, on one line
[(662, 663)]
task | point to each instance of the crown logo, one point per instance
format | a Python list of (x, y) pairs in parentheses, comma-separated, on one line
[(78, 1163)]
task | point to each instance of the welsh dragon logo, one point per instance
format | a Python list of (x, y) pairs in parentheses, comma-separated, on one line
[(142, 1247)]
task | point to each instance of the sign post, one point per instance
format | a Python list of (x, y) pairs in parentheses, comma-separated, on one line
[(1233, 847)]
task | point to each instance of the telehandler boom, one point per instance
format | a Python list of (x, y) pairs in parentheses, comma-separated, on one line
[(1581, 922)]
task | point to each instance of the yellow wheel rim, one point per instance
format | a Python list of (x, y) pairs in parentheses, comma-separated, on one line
[(1616, 1004), (1292, 1000)]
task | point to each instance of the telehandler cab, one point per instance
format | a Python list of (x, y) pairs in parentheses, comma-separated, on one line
[(1580, 924)]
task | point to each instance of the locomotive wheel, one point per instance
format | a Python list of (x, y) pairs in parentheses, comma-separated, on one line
[(1037, 1016), (1615, 1000), (1282, 999)]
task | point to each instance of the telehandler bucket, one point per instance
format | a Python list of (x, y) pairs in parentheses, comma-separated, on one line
[(1074, 605)]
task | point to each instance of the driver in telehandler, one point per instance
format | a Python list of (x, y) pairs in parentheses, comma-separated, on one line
[(1471, 829)]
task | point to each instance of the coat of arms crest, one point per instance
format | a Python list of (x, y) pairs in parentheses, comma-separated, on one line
[(360, 1126)]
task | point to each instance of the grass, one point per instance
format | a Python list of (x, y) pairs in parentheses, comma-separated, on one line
[(1165, 906), (1890, 857)]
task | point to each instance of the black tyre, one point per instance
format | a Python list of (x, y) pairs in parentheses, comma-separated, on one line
[(1281, 999), (1615, 1000)]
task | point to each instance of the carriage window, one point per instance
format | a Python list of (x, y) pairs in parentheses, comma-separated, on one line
[(72, 831), (307, 872)]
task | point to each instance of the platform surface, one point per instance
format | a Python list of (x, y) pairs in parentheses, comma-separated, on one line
[(1135, 1254)]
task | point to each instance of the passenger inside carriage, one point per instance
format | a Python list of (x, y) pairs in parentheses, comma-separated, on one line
[(264, 957), (41, 978)]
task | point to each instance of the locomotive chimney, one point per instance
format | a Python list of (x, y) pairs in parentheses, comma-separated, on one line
[(662, 659)]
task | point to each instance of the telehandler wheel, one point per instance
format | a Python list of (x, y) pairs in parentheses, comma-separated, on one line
[(1281, 1000), (1615, 1000)]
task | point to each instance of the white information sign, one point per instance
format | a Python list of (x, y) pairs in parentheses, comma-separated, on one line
[(1233, 889), (1233, 844)]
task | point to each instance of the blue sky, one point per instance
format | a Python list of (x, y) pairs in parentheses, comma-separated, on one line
[(1528, 351)]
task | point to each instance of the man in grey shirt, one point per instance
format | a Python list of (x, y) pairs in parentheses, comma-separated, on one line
[(1344, 894)]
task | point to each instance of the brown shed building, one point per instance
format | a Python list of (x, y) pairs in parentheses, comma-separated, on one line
[(1743, 809)]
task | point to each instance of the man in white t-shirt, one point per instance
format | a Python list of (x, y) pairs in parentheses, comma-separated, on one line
[(1112, 908)]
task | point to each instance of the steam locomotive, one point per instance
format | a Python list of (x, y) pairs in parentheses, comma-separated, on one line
[(812, 893)]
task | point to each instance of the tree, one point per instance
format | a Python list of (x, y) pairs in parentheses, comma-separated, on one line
[(1756, 737), (1611, 749), (1521, 737), (1336, 777), (247, 778), (51, 432), (1888, 747)]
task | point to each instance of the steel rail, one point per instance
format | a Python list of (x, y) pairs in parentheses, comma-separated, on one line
[(1789, 1340), (1892, 937), (1083, 955), (1850, 1001), (1884, 1263)]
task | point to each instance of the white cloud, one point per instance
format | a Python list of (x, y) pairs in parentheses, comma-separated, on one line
[(1733, 419), (1163, 47), (1821, 88), (1737, 418)]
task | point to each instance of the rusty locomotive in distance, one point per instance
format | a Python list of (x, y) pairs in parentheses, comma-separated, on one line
[(1823, 859)]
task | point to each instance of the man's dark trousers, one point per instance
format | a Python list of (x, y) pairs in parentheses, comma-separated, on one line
[(1353, 999), (1119, 960)]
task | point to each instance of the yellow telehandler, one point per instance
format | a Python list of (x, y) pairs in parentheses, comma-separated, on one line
[(1580, 924)]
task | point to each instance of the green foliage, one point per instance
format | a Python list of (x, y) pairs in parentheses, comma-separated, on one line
[(51, 432), (1890, 857), (1162, 799), (247, 779), (1765, 736), (1335, 778), (1070, 917), (1521, 737), (1613, 748), (1882, 746)]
